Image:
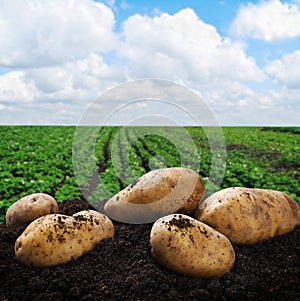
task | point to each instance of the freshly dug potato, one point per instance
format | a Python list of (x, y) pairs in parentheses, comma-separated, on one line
[(29, 208), (249, 215), (187, 246), (56, 238), (155, 194)]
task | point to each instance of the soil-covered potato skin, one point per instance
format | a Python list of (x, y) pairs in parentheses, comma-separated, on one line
[(122, 268)]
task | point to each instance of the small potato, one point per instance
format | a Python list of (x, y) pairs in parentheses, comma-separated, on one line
[(56, 239), (156, 194), (187, 246), (249, 215), (29, 208)]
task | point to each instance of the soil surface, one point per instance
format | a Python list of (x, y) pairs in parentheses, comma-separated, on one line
[(122, 269)]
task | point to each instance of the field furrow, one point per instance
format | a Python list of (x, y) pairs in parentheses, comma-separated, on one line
[(69, 162)]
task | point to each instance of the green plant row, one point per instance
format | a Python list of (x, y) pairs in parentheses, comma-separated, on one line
[(69, 162)]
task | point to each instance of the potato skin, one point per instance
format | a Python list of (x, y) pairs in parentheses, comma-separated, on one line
[(156, 194), (56, 238), (249, 215), (187, 246), (29, 208)]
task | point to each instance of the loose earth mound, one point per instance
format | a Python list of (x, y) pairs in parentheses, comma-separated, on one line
[(123, 269)]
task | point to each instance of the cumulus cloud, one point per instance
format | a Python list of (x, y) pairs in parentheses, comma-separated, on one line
[(285, 74), (70, 54), (75, 79), (57, 92), (286, 70), (45, 33), (14, 88), (183, 46), (271, 20)]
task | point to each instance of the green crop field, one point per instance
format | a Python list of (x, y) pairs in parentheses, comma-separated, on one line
[(40, 158)]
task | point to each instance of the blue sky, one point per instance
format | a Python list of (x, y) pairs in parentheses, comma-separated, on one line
[(219, 13), (241, 57)]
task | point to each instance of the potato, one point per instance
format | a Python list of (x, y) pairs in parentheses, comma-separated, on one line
[(29, 208), (187, 246), (155, 194), (56, 238), (249, 215)]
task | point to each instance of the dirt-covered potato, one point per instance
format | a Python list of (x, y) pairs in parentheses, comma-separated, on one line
[(56, 238), (249, 215), (187, 246), (156, 194), (29, 208)]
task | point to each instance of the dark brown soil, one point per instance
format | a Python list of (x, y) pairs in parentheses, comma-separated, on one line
[(123, 269)]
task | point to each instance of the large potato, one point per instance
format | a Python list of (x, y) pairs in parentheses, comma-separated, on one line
[(249, 215), (187, 246), (29, 208), (155, 194), (55, 238)]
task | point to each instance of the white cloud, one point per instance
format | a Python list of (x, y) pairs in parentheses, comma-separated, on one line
[(64, 74), (286, 70), (270, 20), (85, 76), (59, 91), (287, 98), (44, 33), (181, 46), (284, 97), (14, 87)]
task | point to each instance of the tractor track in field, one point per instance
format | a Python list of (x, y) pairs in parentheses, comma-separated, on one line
[(94, 181)]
